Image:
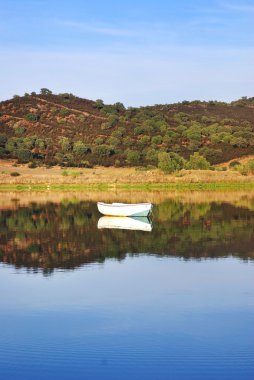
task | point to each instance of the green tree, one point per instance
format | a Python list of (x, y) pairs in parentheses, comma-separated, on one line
[(65, 144), (45, 91), (3, 139), (198, 162), (79, 148), (132, 156), (170, 162), (23, 155)]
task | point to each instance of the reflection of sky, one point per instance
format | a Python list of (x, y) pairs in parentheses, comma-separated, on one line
[(138, 281), (144, 318)]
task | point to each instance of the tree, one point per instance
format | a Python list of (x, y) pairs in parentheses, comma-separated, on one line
[(3, 139), (23, 155), (65, 144), (45, 91), (79, 148), (99, 104), (132, 156), (170, 162), (198, 162), (119, 106)]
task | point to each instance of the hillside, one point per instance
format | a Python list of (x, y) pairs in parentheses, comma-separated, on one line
[(66, 130)]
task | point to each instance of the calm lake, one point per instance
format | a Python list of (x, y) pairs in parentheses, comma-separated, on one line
[(172, 298)]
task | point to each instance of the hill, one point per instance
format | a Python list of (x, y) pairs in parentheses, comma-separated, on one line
[(67, 130)]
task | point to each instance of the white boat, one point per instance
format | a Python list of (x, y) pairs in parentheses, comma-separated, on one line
[(125, 223), (124, 209)]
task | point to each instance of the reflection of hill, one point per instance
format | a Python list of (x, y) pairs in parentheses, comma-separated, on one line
[(65, 235)]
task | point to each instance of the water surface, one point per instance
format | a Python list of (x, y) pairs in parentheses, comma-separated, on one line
[(78, 302)]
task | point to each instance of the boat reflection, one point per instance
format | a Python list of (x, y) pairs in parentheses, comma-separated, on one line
[(125, 223)]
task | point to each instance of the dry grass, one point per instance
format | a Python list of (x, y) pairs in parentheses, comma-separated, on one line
[(112, 176)]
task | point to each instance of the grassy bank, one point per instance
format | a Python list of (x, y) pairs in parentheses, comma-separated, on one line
[(133, 186), (100, 178)]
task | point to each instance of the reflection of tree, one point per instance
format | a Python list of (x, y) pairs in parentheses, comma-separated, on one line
[(65, 235)]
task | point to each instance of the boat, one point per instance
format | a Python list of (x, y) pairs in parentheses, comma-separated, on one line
[(125, 209), (125, 223)]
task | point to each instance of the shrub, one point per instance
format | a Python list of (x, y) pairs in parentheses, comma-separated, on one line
[(2, 152), (113, 141), (152, 156), (65, 144), (32, 165), (3, 139), (127, 141), (65, 173), (64, 112), (144, 140), (19, 131), (157, 140), (32, 117), (198, 162), (140, 130), (103, 150), (85, 164), (119, 132), (132, 156), (233, 164), (250, 166), (23, 155), (15, 174), (79, 148), (99, 141), (170, 162)]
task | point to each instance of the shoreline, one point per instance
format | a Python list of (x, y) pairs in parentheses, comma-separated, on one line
[(23, 178)]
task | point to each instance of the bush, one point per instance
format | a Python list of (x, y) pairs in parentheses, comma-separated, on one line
[(32, 165), (170, 162), (19, 131), (85, 164), (132, 156), (99, 141), (233, 164), (157, 140), (3, 140), (64, 112), (15, 174), (144, 140), (198, 162), (65, 144), (103, 150), (23, 155), (79, 148), (250, 166), (32, 117)]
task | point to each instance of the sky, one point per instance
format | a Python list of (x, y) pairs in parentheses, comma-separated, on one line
[(139, 52)]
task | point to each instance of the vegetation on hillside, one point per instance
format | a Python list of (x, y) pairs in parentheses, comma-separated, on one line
[(66, 130)]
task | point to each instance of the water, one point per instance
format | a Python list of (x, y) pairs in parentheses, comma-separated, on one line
[(78, 302)]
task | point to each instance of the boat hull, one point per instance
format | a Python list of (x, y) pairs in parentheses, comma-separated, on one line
[(123, 209)]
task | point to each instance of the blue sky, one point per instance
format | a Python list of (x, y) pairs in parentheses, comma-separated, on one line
[(138, 52)]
